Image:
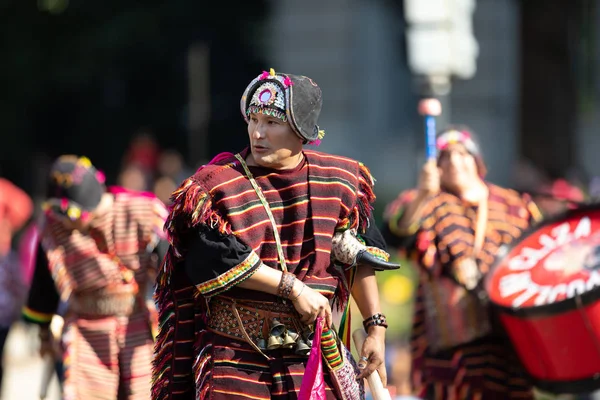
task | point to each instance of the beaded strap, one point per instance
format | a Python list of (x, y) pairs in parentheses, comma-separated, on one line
[(265, 204)]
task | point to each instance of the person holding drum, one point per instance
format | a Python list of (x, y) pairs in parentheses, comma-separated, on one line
[(452, 226)]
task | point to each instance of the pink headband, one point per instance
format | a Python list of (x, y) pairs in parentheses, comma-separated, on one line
[(457, 137)]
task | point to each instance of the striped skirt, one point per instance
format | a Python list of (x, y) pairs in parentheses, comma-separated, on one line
[(228, 369), (485, 369), (108, 358)]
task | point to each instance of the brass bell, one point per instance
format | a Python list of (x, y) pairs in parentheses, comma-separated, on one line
[(277, 328), (293, 334), (302, 349), (309, 338), (275, 342), (288, 341), (261, 344)]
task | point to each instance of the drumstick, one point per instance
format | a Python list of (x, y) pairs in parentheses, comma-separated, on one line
[(47, 374), (49, 367), (430, 108), (374, 380)]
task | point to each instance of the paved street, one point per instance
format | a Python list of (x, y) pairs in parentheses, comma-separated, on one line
[(23, 367)]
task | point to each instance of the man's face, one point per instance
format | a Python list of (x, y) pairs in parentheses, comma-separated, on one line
[(457, 167), (272, 142)]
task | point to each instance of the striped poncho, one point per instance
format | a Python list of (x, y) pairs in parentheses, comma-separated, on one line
[(485, 367), (105, 352), (84, 263), (323, 194)]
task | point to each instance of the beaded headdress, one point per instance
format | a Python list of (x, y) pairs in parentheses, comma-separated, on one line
[(292, 98)]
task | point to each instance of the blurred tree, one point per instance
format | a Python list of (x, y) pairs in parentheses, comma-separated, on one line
[(81, 76), (551, 69)]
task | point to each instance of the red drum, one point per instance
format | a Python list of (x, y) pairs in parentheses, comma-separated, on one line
[(546, 290)]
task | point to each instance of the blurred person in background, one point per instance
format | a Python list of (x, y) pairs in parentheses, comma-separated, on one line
[(96, 251), (143, 151), (163, 188), (451, 226), (557, 197), (237, 302), (172, 165), (134, 177), (16, 208)]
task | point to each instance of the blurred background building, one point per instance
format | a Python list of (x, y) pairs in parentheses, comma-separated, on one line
[(88, 77), (149, 91)]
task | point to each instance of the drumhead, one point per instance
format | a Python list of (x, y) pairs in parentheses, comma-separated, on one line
[(554, 266)]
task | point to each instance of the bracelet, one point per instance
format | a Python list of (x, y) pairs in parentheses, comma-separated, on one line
[(301, 290), (286, 284), (375, 320)]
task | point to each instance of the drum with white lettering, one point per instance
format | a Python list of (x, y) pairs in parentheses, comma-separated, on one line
[(546, 289)]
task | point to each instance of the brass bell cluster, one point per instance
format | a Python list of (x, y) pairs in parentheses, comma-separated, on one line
[(281, 337)]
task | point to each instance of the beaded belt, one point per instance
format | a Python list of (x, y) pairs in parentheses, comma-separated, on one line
[(264, 325)]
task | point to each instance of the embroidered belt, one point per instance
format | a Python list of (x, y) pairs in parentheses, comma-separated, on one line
[(259, 320), (104, 304), (250, 320)]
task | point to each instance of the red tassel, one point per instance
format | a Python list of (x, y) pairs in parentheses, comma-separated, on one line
[(366, 196)]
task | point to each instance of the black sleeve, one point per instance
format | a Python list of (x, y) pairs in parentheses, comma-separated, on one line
[(43, 298), (398, 242), (161, 249), (373, 236), (216, 262)]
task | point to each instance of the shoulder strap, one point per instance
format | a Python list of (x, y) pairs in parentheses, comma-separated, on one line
[(481, 224), (265, 204)]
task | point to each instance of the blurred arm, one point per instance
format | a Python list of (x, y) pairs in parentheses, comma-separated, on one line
[(18, 205), (43, 298)]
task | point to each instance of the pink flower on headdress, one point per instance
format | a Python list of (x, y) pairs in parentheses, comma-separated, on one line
[(64, 203), (287, 81), (100, 176), (264, 75), (452, 137), (315, 142), (86, 216)]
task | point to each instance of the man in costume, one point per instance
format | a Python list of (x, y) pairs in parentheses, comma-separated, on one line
[(452, 226), (250, 265), (97, 247)]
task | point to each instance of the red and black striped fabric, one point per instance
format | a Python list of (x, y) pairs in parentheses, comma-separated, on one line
[(486, 368), (82, 263), (323, 194), (102, 353)]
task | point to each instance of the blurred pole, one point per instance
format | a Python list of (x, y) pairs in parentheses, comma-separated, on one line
[(47, 375), (549, 93), (199, 103), (441, 45), (436, 87)]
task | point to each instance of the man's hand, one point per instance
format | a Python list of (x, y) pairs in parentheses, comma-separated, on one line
[(429, 180), (372, 354), (310, 304), (47, 344)]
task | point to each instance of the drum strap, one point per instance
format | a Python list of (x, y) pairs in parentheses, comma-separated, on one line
[(480, 224), (467, 272)]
